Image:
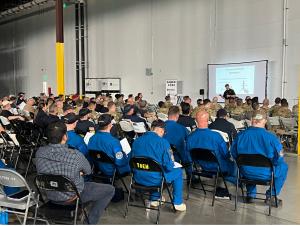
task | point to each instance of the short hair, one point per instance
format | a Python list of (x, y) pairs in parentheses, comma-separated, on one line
[(161, 104), (277, 100), (167, 98), (130, 96), (199, 101), (185, 108), (136, 98), (52, 108), (206, 101), (157, 124), (284, 102), (174, 110), (55, 132), (110, 104), (186, 98), (255, 105)]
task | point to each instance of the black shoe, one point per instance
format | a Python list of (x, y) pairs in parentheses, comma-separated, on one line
[(249, 200), (222, 193), (273, 201)]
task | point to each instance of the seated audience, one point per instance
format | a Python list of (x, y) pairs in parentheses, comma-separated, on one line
[(162, 108), (185, 119), (256, 140), (56, 158), (129, 113), (84, 125), (223, 125), (152, 145), (284, 110), (104, 141), (275, 108)]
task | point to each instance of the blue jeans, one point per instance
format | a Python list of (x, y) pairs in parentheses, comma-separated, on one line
[(99, 195), (174, 177)]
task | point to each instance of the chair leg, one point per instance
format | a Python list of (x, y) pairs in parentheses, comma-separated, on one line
[(128, 199), (171, 197), (275, 192), (215, 188), (236, 192), (225, 185), (270, 199), (36, 209), (123, 182), (189, 187), (202, 186), (29, 161), (76, 212), (159, 202)]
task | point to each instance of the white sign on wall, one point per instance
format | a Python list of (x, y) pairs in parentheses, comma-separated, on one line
[(171, 90)]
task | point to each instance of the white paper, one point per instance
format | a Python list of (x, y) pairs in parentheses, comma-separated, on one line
[(22, 105), (125, 146), (87, 137), (177, 165), (14, 139)]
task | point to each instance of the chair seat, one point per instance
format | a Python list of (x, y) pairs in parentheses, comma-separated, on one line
[(258, 182), (145, 188), (208, 174), (14, 203)]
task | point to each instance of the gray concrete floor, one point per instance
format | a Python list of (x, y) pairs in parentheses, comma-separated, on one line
[(200, 211)]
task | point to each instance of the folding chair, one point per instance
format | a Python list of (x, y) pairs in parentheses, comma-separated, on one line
[(162, 116), (139, 127), (200, 154), (178, 154), (148, 165), (289, 133), (101, 157), (58, 183), (10, 148), (15, 204), (254, 160)]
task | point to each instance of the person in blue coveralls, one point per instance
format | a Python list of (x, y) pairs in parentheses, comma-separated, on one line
[(256, 140), (176, 134), (74, 141), (152, 145), (104, 141), (205, 138)]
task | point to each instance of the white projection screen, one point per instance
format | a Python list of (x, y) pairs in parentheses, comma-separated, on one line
[(246, 79)]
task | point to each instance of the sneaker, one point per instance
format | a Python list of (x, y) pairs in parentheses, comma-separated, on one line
[(249, 200), (181, 207), (222, 193), (156, 203), (273, 202)]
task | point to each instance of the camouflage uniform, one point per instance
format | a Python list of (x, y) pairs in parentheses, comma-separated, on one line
[(163, 110), (284, 112), (168, 104), (230, 107), (238, 111), (295, 110), (246, 107), (196, 109), (273, 110), (266, 109)]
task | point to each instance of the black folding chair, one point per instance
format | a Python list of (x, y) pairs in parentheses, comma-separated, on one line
[(58, 183), (177, 153), (148, 165), (102, 157), (254, 160), (200, 154)]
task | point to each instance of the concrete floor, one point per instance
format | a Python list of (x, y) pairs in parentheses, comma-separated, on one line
[(200, 211)]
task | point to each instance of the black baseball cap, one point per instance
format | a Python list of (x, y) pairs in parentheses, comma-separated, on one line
[(67, 107), (84, 111), (70, 118), (221, 113), (104, 120)]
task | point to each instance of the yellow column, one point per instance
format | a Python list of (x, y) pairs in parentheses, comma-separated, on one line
[(60, 75)]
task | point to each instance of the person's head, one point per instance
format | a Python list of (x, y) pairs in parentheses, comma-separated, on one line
[(42, 107), (259, 118), (104, 122), (158, 127), (249, 102), (239, 102), (57, 133), (277, 100), (199, 102), (247, 98), (71, 121), (215, 100), (68, 109), (111, 107), (255, 106), (185, 108), (140, 95), (207, 103), (53, 109), (231, 100), (161, 104), (284, 103), (61, 97), (92, 106), (128, 109), (84, 113), (6, 105), (130, 99), (202, 118), (227, 87), (59, 104), (222, 113), (30, 101), (117, 96), (142, 104), (266, 102), (173, 113), (187, 99), (168, 98)]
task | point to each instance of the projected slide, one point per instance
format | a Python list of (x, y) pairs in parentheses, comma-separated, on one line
[(247, 79), (241, 79)]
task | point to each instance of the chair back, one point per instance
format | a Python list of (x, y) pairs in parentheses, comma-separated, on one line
[(126, 126), (145, 164), (254, 160), (237, 124), (274, 121), (59, 183), (162, 116), (11, 178), (100, 156), (201, 154), (288, 124), (139, 127)]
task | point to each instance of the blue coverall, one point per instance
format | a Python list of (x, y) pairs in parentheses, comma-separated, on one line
[(77, 142), (256, 140), (208, 139), (153, 146), (104, 141)]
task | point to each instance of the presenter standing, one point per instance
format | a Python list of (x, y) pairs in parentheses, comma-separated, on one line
[(228, 92)]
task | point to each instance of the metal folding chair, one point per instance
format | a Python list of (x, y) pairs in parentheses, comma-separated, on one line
[(254, 160)]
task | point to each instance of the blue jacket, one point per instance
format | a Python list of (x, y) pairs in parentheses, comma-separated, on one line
[(256, 140), (207, 139), (153, 146), (177, 135), (105, 142), (75, 141)]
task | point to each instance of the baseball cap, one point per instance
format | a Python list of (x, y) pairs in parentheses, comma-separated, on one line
[(67, 107), (221, 113), (127, 108), (70, 118), (84, 112), (104, 120), (5, 102), (259, 115)]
